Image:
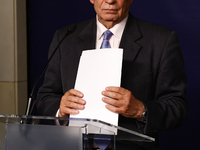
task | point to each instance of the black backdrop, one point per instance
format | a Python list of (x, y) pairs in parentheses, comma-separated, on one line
[(46, 16)]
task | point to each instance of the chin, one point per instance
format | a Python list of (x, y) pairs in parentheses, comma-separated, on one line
[(110, 18)]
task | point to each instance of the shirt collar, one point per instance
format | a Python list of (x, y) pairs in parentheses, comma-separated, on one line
[(117, 29)]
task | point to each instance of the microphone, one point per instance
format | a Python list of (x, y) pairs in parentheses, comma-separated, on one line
[(31, 103)]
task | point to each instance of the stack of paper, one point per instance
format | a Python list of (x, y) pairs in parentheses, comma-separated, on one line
[(98, 69)]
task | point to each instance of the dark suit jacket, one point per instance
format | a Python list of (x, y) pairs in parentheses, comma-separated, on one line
[(152, 69)]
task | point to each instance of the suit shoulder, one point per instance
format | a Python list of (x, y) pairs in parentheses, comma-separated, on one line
[(79, 26), (154, 28)]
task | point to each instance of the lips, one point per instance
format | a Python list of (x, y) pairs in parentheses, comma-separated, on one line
[(110, 10)]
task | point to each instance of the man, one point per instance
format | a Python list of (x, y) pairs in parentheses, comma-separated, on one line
[(153, 85)]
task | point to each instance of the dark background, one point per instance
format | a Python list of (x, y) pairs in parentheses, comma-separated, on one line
[(182, 16)]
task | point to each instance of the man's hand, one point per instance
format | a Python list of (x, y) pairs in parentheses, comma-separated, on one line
[(123, 102), (71, 102)]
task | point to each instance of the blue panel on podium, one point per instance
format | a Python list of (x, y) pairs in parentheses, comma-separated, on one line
[(40, 137)]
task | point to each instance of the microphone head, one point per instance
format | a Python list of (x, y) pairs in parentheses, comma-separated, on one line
[(72, 28)]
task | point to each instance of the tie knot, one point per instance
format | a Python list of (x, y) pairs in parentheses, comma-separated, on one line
[(107, 34), (105, 43)]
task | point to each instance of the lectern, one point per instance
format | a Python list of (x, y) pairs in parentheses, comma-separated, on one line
[(46, 133)]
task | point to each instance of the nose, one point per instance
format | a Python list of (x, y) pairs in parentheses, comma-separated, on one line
[(110, 1)]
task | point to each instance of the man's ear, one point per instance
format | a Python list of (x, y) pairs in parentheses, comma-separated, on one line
[(92, 1)]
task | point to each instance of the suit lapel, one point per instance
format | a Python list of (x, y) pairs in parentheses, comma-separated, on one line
[(85, 40), (88, 36), (128, 43)]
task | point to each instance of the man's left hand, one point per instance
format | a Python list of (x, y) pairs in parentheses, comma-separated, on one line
[(123, 102)]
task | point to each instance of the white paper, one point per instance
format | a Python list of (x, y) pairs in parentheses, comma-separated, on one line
[(98, 69)]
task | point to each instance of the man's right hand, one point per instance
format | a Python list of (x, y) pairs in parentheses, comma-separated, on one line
[(71, 102)]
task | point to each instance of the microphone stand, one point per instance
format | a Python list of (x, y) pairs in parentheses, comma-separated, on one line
[(31, 103)]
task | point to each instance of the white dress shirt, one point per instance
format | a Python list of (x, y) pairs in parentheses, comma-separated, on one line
[(117, 31)]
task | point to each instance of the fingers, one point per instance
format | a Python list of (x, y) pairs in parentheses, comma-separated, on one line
[(123, 102), (71, 102), (115, 97), (117, 93), (74, 96), (118, 99), (116, 89), (74, 93)]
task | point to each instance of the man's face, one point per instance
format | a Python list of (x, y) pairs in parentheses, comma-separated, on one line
[(111, 11)]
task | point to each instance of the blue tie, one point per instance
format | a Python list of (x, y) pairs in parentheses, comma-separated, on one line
[(103, 143), (107, 36)]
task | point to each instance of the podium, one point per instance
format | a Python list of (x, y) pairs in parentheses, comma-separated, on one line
[(46, 133)]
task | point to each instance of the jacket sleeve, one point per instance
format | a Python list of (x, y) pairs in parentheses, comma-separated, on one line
[(169, 108)]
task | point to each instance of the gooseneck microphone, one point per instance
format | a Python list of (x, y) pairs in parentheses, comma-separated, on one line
[(31, 103)]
